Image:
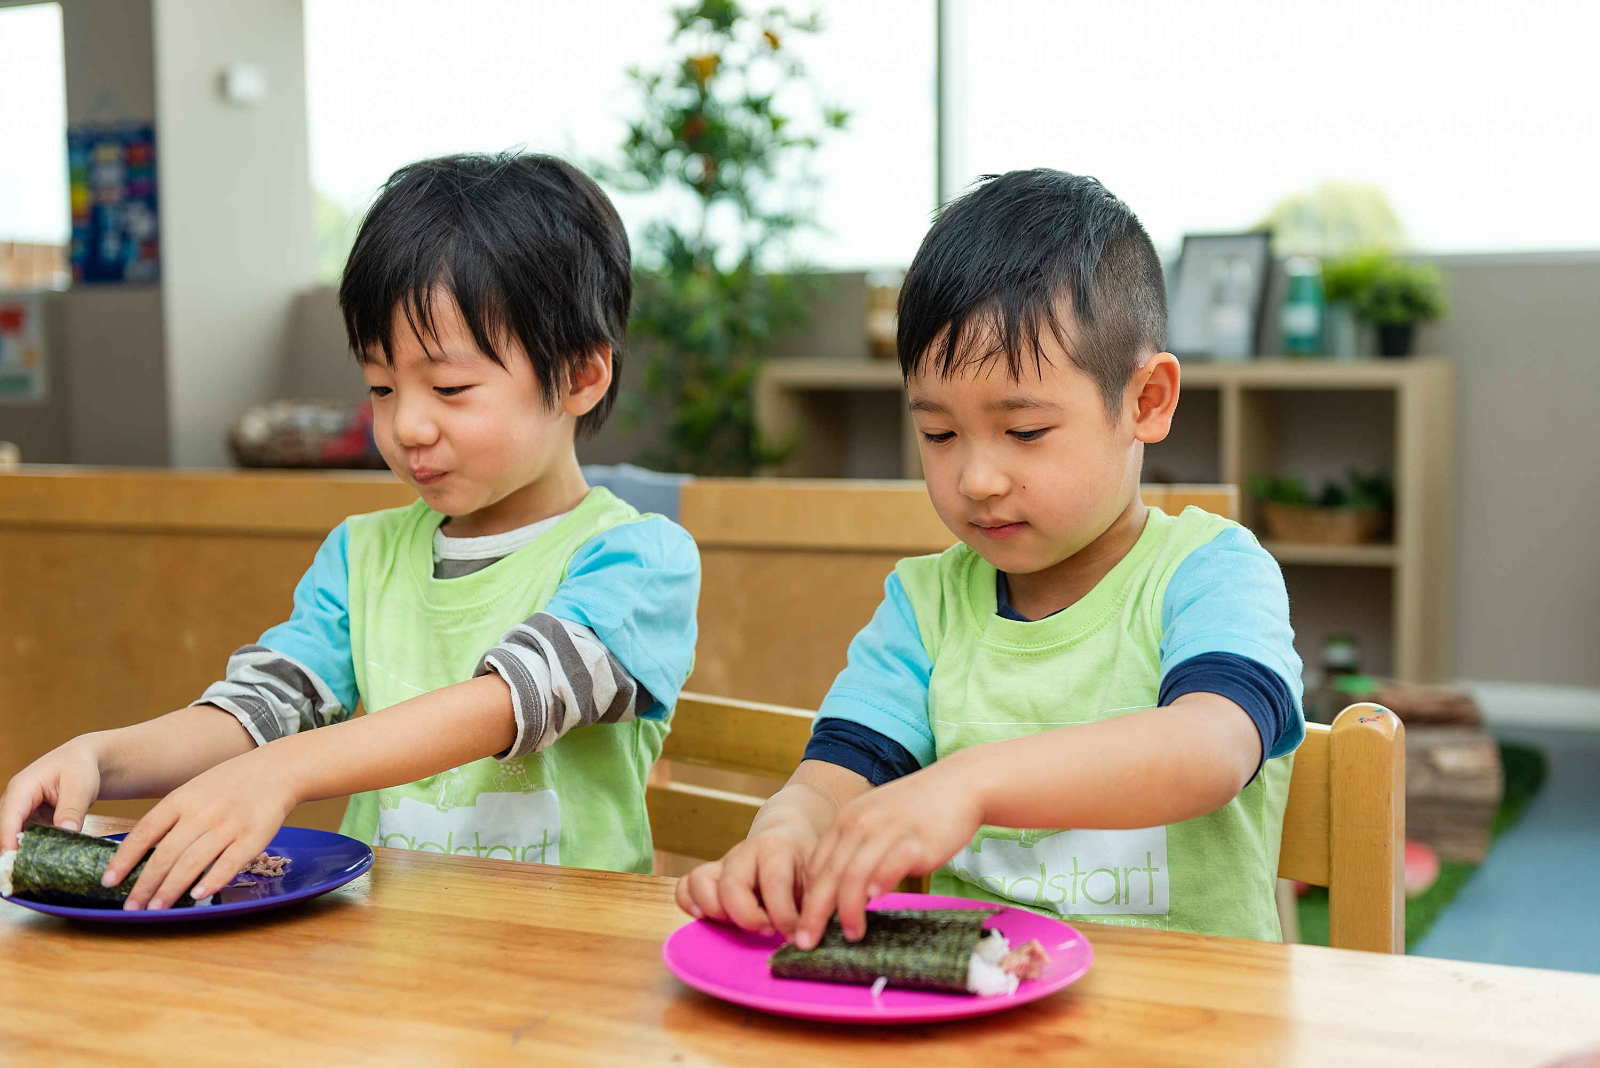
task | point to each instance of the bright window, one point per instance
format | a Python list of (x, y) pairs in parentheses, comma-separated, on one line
[(33, 124), (389, 81), (1477, 119)]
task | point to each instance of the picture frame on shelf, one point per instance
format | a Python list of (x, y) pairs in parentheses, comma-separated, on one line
[(1218, 291)]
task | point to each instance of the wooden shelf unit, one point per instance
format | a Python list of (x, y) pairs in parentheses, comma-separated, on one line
[(1236, 421)]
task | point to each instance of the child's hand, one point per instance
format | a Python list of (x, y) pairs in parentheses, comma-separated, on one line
[(755, 886), (906, 827), (214, 824), (57, 788)]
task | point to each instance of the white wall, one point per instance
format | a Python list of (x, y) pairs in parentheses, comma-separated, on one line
[(236, 211), (1524, 332)]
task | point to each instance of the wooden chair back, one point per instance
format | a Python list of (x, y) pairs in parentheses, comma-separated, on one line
[(744, 738), (1343, 826)]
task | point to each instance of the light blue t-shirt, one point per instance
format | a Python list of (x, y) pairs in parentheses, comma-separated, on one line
[(1227, 596), (633, 585)]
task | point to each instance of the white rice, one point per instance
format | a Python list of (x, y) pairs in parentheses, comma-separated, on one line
[(984, 974), (8, 860), (878, 984)]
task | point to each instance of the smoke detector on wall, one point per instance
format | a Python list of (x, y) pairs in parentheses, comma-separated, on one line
[(243, 84)]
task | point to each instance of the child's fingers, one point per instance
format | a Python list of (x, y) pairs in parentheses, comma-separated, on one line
[(684, 895), (851, 889), (202, 852), (173, 844), (778, 884), (228, 865), (703, 893), (21, 800), (906, 858), (74, 795), (736, 888), (820, 857), (152, 828), (821, 895)]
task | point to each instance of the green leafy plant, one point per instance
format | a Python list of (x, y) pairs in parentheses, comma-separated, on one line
[(1400, 293), (1359, 491), (1348, 278), (722, 137)]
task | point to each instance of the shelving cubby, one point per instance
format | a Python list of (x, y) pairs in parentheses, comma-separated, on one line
[(1310, 417)]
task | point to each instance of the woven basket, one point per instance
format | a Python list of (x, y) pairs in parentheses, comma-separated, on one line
[(1305, 524)]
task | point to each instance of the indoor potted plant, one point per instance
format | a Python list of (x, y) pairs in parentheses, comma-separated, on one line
[(724, 145), (1399, 295), (1345, 281), (1359, 509)]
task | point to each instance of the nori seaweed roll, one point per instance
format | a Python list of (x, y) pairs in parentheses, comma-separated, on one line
[(945, 950), (61, 867)]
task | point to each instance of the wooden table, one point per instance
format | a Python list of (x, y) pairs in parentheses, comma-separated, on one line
[(436, 960)]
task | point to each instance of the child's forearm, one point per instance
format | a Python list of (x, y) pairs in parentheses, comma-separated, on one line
[(1144, 769), (153, 758), (428, 734)]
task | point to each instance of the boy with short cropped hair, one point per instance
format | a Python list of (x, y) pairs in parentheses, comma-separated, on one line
[(517, 639), (1086, 707)]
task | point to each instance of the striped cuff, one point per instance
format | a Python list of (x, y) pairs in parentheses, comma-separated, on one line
[(273, 695), (561, 677)]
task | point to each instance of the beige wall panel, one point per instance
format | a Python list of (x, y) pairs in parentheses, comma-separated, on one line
[(774, 626), (117, 628)]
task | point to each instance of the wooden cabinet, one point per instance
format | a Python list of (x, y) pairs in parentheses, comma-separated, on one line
[(1236, 421)]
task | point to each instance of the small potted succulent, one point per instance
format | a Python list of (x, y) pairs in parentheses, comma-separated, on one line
[(1398, 296), (1359, 509), (1345, 281), (1372, 286)]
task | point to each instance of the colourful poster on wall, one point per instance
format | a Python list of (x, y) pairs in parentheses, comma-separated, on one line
[(24, 376), (112, 172)]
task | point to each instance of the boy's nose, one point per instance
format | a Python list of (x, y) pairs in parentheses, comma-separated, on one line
[(413, 427), (982, 479)]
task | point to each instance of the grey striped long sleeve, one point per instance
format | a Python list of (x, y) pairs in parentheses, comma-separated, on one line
[(561, 676), (272, 694)]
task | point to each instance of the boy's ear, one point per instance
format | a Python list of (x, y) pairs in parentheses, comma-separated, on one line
[(1153, 397), (588, 383)]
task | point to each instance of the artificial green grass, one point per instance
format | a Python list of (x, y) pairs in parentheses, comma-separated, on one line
[(1525, 769)]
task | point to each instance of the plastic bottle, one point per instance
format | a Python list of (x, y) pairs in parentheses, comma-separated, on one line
[(1302, 307)]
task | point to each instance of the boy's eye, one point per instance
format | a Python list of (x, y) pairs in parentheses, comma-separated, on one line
[(379, 391), (450, 391), (938, 439), (1030, 435)]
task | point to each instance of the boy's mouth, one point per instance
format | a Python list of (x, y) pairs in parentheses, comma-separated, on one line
[(999, 531), (426, 476)]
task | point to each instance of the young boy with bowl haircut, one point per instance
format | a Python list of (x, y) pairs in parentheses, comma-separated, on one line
[(1087, 706), (517, 638)]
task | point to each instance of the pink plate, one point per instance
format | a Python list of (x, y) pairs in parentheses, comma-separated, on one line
[(731, 964)]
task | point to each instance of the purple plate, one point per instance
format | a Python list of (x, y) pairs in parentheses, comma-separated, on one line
[(319, 861), (731, 964)]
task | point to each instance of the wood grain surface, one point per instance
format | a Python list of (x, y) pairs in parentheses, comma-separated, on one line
[(445, 960)]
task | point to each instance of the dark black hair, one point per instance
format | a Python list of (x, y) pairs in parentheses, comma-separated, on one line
[(1030, 251), (529, 247)]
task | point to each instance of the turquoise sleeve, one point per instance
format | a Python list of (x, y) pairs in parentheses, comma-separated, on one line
[(636, 586), (884, 685), (317, 633), (1228, 597)]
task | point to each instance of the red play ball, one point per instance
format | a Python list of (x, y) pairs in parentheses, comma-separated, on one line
[(1422, 867)]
